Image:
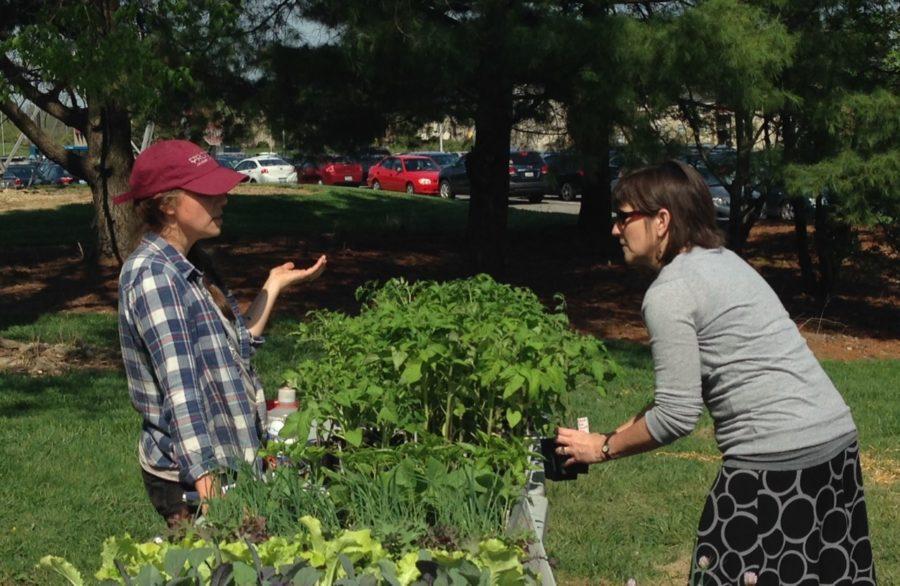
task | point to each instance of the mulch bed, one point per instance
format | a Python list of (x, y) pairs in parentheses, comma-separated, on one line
[(861, 321)]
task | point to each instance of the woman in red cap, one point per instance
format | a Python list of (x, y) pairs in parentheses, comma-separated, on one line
[(185, 343)]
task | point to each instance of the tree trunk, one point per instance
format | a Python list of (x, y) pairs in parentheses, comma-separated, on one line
[(737, 218), (807, 272), (110, 159), (488, 163), (594, 216)]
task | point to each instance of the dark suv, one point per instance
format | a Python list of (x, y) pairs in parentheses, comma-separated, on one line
[(565, 174), (527, 175)]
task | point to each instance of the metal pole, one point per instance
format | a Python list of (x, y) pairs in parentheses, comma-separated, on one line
[(441, 135)]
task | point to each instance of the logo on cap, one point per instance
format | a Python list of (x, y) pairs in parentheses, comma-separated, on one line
[(199, 159)]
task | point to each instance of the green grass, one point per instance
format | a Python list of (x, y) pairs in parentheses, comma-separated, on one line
[(349, 215), (68, 463), (68, 470), (96, 329), (70, 476)]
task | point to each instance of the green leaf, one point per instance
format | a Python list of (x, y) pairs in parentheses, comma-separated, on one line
[(513, 417), (398, 357), (175, 560), (297, 425), (198, 556), (514, 384), (388, 572), (244, 574), (308, 576), (412, 373), (387, 415), (63, 568), (353, 437), (149, 576)]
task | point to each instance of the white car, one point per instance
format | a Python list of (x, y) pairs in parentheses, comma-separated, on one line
[(267, 169)]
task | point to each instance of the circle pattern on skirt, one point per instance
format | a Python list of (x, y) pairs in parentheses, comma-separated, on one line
[(793, 527)]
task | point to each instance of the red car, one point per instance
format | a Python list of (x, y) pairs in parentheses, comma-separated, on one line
[(412, 174), (330, 170)]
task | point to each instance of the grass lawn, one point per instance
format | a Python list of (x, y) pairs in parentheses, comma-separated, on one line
[(345, 214), (68, 467), (70, 477)]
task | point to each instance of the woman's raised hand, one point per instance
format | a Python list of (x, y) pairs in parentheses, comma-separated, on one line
[(285, 274)]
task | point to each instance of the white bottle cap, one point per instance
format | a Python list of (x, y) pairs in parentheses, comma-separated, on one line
[(286, 396)]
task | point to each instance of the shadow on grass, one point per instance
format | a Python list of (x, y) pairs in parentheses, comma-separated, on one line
[(64, 225), (81, 394), (368, 235), (629, 354)]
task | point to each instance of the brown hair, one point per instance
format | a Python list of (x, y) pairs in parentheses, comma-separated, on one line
[(679, 188), (150, 211)]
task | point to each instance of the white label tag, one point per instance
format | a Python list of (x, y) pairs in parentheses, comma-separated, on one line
[(583, 425)]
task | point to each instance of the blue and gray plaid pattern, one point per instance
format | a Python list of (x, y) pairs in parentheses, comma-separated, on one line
[(198, 414)]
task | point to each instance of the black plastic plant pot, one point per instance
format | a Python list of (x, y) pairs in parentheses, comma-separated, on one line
[(554, 468)]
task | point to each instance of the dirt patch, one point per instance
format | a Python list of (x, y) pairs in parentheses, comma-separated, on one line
[(37, 358), (880, 468), (677, 571), (695, 456), (603, 299), (40, 198)]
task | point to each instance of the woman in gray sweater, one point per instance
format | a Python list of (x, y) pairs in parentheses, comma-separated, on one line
[(787, 506)]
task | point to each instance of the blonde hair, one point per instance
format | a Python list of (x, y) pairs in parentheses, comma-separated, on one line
[(150, 210)]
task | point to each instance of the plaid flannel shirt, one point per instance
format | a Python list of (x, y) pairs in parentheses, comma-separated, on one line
[(198, 415)]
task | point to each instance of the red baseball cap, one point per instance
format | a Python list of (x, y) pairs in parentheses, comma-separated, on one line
[(178, 164)]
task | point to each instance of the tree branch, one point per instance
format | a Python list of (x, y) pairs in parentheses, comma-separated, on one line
[(695, 130), (70, 160), (70, 116)]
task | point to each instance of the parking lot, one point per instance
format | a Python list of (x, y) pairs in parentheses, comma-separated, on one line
[(550, 204)]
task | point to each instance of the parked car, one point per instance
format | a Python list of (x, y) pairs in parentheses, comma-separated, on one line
[(565, 174), (720, 196), (50, 173), (330, 170), (442, 159), (20, 176), (230, 161), (368, 157), (405, 173), (454, 179), (267, 169), (527, 175)]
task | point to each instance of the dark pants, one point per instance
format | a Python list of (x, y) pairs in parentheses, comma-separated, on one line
[(167, 498)]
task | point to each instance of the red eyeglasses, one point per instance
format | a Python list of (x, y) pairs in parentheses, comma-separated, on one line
[(624, 218)]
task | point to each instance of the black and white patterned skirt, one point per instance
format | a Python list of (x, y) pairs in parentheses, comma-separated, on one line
[(797, 527)]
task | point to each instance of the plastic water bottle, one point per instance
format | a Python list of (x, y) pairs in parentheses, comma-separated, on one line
[(284, 406)]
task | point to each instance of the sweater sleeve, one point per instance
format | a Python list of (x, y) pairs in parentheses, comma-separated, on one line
[(669, 310)]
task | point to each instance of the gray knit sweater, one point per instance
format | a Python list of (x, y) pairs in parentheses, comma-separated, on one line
[(721, 337)]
